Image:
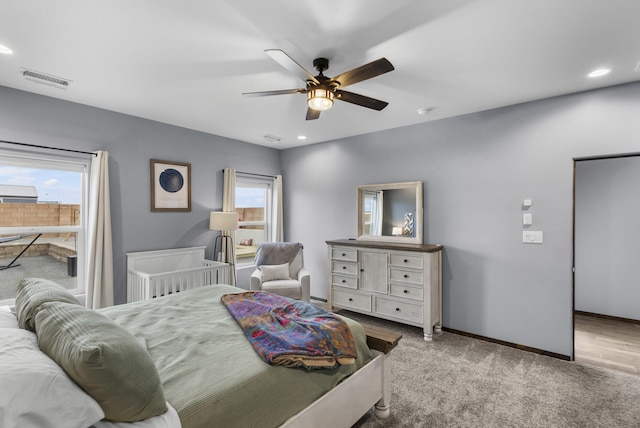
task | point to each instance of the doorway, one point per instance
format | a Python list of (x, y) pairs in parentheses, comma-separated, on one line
[(606, 262)]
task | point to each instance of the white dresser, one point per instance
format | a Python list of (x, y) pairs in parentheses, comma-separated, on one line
[(399, 282)]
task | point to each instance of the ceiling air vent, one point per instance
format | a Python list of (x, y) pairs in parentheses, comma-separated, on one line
[(47, 79), (272, 138)]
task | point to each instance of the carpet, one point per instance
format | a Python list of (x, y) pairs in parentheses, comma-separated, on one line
[(457, 381)]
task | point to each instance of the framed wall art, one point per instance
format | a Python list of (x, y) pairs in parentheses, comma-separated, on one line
[(170, 186)]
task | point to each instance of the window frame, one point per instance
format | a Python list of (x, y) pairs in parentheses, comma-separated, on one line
[(263, 182), (48, 159)]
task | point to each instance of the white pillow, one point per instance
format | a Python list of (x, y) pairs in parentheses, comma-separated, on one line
[(35, 391), (7, 318), (274, 272)]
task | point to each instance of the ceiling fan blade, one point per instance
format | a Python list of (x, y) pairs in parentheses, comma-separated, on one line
[(364, 72), (291, 65), (280, 92), (360, 100), (312, 114)]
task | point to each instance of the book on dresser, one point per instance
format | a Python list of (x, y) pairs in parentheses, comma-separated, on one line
[(395, 281)]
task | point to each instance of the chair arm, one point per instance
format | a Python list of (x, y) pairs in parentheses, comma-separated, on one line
[(305, 284), (256, 280)]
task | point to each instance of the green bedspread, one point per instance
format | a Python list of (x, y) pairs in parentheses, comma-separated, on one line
[(210, 373)]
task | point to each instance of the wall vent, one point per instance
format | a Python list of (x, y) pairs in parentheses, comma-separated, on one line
[(47, 79)]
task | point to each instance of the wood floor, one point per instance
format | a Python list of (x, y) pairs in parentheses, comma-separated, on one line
[(607, 343)]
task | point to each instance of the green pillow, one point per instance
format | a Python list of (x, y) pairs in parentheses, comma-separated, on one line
[(104, 359), (33, 292)]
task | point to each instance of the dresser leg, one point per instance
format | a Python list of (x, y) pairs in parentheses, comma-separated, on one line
[(428, 336), (438, 328)]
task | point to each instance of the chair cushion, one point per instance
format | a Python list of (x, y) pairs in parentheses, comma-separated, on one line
[(274, 272), (288, 288)]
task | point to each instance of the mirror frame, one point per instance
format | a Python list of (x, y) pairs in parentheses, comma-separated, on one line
[(417, 187)]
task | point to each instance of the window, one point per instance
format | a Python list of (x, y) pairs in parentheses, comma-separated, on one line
[(372, 221), (254, 201), (42, 222)]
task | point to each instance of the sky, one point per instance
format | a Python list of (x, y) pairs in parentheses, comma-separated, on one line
[(64, 186), (249, 197), (51, 185)]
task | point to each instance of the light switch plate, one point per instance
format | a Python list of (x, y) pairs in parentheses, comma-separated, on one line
[(527, 219), (527, 203), (532, 236)]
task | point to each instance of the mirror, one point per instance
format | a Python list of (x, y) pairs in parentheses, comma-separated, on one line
[(390, 212)]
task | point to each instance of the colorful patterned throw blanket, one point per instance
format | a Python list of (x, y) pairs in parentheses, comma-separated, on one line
[(291, 333)]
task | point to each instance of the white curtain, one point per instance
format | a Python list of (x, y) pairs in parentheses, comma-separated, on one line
[(229, 205), (278, 232), (99, 277), (375, 199)]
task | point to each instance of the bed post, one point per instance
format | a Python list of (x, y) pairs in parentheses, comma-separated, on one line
[(384, 341), (382, 409)]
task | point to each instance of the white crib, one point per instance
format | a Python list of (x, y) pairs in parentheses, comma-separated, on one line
[(157, 273)]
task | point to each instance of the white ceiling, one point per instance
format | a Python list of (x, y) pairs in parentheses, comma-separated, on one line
[(187, 62)]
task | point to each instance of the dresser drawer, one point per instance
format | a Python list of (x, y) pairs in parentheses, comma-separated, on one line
[(415, 293), (344, 254), (345, 268), (405, 311), (407, 260), (346, 299), (406, 276), (344, 281)]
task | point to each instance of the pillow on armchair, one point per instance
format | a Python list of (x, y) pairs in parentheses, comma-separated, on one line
[(274, 272)]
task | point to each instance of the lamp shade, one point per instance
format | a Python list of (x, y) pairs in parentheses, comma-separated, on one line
[(319, 98), (223, 221)]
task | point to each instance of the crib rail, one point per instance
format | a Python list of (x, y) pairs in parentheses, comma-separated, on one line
[(142, 285)]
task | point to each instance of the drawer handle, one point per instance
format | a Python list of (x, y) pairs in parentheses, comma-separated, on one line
[(405, 291), (350, 299), (397, 309), (343, 254), (406, 261), (344, 267), (344, 280), (406, 276), (361, 270)]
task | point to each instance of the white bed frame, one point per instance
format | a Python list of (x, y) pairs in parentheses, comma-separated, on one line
[(345, 404), (157, 272)]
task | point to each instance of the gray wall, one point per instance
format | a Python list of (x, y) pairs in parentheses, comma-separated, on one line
[(477, 170), (131, 143), (607, 279)]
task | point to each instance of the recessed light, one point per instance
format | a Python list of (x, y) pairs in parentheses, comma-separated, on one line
[(302, 137), (599, 72), (5, 50)]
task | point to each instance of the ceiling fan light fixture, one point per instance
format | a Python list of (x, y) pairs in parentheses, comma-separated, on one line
[(320, 98)]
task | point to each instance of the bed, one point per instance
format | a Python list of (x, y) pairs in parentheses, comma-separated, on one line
[(207, 372)]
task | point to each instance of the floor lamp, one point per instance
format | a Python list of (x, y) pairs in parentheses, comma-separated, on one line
[(224, 222)]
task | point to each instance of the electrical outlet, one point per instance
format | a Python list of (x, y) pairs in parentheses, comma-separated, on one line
[(532, 237)]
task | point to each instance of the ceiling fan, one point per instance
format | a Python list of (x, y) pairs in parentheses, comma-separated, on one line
[(322, 90)]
